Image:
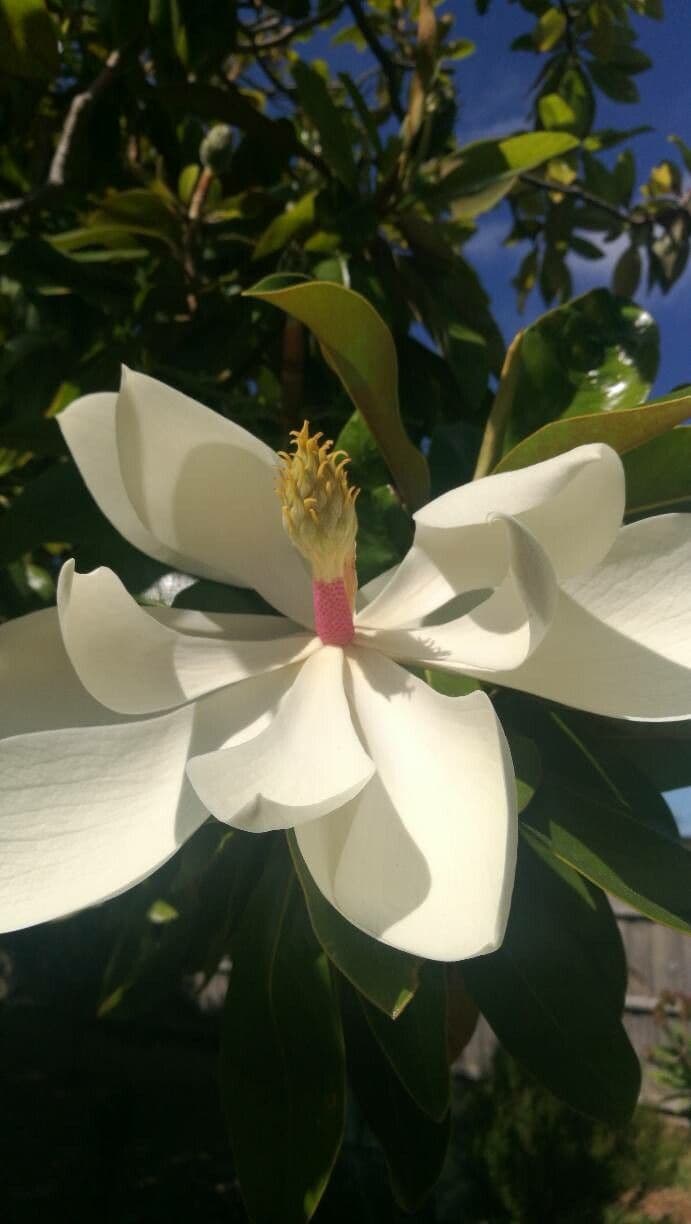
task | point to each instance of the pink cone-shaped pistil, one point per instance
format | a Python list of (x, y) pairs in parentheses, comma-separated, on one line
[(333, 618)]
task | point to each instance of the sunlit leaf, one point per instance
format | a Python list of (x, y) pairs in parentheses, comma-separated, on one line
[(359, 347), (623, 431)]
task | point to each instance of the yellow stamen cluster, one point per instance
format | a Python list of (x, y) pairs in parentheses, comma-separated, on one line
[(318, 506)]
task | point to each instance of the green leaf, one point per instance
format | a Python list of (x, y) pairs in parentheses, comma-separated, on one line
[(282, 1058), (37, 266), (555, 112), (614, 82), (627, 272), (527, 767), (623, 431), (414, 1145), (595, 354), (139, 211), (612, 848), (364, 113), (28, 43), (358, 346), (56, 507), (383, 975), (658, 474), (549, 29), (554, 991), (337, 148), (415, 1043), (294, 221), (490, 162)]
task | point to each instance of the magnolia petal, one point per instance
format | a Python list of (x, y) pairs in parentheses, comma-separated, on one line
[(573, 504), (424, 857), (620, 643), (88, 427), (133, 664), (204, 487), (40, 687), (308, 761), (500, 632), (85, 813)]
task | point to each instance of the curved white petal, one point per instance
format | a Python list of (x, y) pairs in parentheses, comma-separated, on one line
[(573, 504), (242, 626), (308, 761), (424, 857), (88, 427), (205, 488), (85, 813), (620, 643), (132, 663), (40, 688), (499, 633)]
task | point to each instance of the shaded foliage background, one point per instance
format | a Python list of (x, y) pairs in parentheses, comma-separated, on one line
[(156, 160)]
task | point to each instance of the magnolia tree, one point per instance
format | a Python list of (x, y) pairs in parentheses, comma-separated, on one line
[(345, 643)]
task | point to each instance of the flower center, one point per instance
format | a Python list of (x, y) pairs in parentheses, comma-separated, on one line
[(318, 507)]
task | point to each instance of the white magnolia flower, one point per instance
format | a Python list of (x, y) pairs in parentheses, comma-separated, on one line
[(403, 800)]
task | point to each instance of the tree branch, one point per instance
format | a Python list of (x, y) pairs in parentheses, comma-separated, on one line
[(568, 32), (75, 121), (579, 193), (294, 31), (379, 52)]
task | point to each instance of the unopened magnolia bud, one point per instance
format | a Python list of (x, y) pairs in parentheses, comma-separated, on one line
[(216, 149)]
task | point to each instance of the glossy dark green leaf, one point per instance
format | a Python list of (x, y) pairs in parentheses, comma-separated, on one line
[(358, 346), (383, 975), (282, 1058), (658, 474), (595, 354), (57, 508), (554, 991), (138, 211), (337, 148), (28, 42), (38, 266), (623, 431), (414, 1145), (415, 1043), (614, 82), (648, 870)]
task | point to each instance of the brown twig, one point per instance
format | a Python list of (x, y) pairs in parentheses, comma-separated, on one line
[(75, 120)]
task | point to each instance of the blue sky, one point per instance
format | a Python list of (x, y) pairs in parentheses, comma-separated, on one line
[(494, 86)]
